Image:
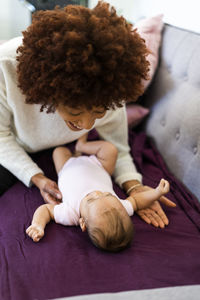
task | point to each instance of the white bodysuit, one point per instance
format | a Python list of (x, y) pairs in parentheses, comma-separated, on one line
[(78, 177)]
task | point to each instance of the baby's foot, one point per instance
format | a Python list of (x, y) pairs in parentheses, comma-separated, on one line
[(35, 232), (163, 186)]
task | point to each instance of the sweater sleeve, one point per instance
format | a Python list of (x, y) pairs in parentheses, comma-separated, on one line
[(12, 156), (114, 129)]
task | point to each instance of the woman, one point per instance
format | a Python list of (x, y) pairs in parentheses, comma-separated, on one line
[(73, 71)]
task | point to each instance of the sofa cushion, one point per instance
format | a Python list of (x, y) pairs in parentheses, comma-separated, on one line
[(135, 114), (174, 98), (150, 29)]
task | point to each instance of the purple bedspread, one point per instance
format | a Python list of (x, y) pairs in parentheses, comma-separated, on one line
[(65, 263)]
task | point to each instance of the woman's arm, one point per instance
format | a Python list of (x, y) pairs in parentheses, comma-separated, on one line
[(15, 159), (12, 155)]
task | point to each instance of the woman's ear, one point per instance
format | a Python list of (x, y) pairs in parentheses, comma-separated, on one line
[(82, 224)]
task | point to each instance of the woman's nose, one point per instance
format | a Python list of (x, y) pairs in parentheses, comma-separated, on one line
[(87, 122)]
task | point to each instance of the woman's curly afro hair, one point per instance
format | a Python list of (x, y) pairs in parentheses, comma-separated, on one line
[(81, 57)]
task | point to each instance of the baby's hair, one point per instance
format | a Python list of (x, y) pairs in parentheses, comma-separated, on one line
[(116, 235), (78, 57)]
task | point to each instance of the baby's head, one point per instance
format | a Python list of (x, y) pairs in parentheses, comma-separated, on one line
[(106, 220)]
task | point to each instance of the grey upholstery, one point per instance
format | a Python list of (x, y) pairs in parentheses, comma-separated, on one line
[(174, 100), (189, 292)]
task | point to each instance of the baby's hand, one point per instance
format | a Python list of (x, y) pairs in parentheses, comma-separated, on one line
[(35, 232), (163, 187)]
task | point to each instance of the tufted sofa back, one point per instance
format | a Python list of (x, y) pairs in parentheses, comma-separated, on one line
[(174, 100)]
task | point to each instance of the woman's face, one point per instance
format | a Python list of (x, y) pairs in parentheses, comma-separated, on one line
[(80, 118)]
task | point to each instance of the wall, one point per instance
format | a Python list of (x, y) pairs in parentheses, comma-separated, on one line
[(14, 18), (5, 26), (180, 13), (123, 7)]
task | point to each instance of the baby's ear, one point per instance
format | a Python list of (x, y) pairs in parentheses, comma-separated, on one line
[(82, 224)]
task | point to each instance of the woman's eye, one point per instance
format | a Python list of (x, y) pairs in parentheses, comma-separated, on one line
[(100, 112), (74, 115)]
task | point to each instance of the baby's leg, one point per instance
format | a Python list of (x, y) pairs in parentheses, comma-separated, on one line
[(104, 151), (60, 156)]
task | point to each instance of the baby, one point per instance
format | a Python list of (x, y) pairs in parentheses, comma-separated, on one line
[(89, 199)]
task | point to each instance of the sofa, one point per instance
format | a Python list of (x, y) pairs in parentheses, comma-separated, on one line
[(174, 102), (173, 125)]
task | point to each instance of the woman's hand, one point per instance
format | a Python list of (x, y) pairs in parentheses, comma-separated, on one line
[(48, 189), (154, 214)]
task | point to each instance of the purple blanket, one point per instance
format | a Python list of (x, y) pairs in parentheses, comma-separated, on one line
[(65, 263)]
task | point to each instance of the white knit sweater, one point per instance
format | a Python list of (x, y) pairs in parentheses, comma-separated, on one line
[(24, 129)]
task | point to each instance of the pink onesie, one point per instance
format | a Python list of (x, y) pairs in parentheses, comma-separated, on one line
[(78, 177)]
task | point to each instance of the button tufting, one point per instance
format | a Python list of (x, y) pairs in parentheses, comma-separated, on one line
[(169, 69), (177, 135), (163, 122), (195, 150)]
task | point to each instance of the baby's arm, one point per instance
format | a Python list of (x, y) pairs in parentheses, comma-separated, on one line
[(145, 199), (104, 151), (42, 216)]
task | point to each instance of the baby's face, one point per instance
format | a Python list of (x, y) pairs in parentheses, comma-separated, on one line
[(95, 204)]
